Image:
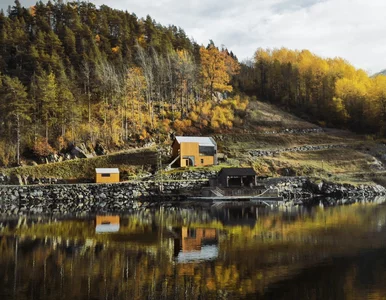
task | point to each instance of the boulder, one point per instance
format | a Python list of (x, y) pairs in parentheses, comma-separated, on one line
[(16, 179), (100, 149), (77, 152)]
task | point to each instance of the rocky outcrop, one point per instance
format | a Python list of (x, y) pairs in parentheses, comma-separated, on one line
[(4, 179), (89, 198), (191, 175), (304, 188), (295, 131), (15, 179), (260, 153)]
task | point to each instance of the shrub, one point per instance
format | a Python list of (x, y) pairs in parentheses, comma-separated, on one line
[(7, 153), (42, 147)]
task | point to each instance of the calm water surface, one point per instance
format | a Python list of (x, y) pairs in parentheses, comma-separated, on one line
[(198, 253)]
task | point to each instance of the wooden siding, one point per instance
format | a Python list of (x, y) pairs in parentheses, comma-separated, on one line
[(190, 155), (191, 150), (206, 160), (188, 150), (175, 148), (111, 220), (113, 178)]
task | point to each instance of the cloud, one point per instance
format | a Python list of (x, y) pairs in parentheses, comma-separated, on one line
[(352, 29)]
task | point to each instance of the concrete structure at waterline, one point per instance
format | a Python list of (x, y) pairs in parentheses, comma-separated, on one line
[(106, 175), (194, 151)]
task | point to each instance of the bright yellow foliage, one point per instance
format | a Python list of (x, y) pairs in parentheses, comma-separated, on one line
[(115, 50), (216, 69)]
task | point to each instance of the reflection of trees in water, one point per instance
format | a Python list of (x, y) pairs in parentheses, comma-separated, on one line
[(69, 259), (79, 272)]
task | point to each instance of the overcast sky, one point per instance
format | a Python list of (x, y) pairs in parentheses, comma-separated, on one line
[(352, 29)]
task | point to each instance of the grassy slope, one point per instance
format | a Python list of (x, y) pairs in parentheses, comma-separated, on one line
[(355, 165), (132, 161), (268, 117)]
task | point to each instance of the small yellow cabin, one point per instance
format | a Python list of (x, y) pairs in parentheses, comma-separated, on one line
[(107, 175)]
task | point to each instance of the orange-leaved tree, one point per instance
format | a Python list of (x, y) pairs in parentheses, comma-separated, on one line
[(217, 67)]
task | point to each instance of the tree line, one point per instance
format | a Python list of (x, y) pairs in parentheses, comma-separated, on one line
[(330, 92), (77, 73)]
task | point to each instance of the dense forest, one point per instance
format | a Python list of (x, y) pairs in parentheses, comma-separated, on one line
[(330, 92), (72, 73), (76, 73)]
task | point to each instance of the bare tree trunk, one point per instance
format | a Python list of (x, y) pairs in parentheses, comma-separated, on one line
[(47, 130), (18, 139)]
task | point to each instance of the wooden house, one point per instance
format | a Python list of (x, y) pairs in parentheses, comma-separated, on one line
[(194, 151), (107, 175), (237, 177)]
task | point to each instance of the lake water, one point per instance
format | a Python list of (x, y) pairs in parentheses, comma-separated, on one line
[(218, 252)]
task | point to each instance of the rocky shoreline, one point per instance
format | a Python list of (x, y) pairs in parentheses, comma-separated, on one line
[(128, 196), (304, 188), (87, 198)]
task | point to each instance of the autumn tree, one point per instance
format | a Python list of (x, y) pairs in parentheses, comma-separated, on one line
[(216, 70), (15, 107), (48, 100)]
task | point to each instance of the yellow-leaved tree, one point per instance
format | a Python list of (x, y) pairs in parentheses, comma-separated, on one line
[(217, 67)]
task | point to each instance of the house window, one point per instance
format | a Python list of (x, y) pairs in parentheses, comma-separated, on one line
[(105, 175), (207, 150), (202, 160)]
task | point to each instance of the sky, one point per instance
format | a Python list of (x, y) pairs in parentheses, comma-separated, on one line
[(351, 29)]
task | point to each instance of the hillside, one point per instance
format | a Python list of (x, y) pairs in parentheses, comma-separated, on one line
[(73, 73), (76, 74), (383, 72), (277, 143), (273, 141)]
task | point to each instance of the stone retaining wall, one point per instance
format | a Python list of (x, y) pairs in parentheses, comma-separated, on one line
[(260, 153), (85, 198), (124, 197)]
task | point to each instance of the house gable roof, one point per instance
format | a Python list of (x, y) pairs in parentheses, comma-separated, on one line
[(107, 170), (237, 172), (201, 140)]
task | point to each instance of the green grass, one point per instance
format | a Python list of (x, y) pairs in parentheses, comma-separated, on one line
[(133, 162), (268, 116), (228, 164), (335, 164), (233, 143), (338, 165)]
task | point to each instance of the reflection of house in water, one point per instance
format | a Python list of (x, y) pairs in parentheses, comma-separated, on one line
[(106, 224), (196, 244), (238, 216)]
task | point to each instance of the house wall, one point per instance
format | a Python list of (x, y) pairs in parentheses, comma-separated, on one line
[(223, 180), (188, 149), (192, 150), (112, 179), (175, 148), (107, 219), (207, 160)]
